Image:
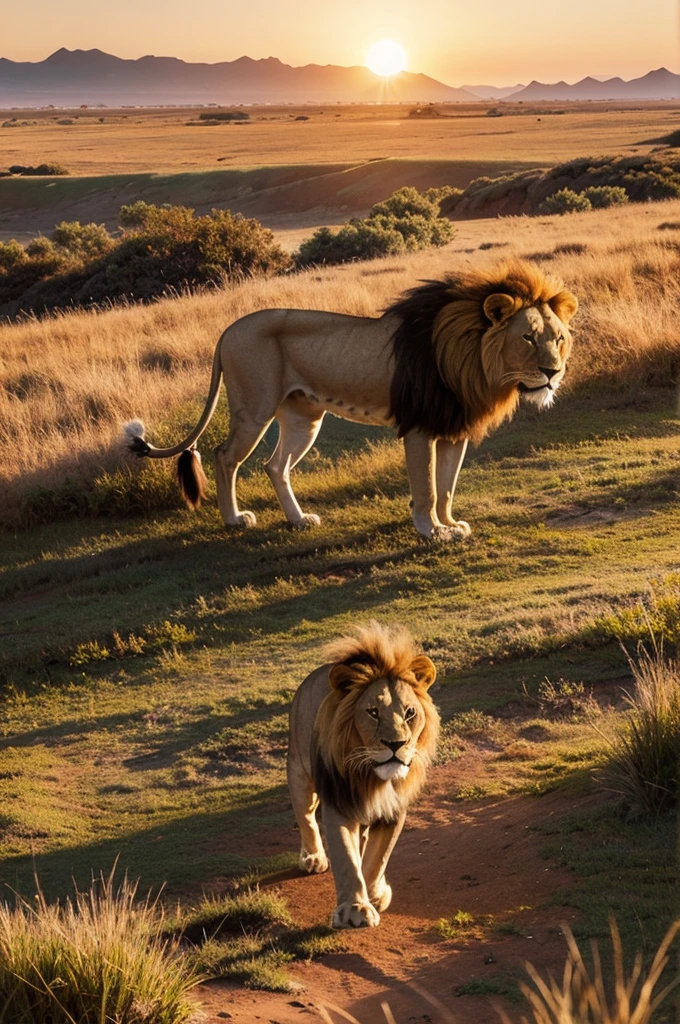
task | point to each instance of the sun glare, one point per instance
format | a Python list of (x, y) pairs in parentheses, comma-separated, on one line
[(386, 58)]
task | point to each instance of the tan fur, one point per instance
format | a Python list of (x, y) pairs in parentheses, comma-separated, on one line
[(455, 380), (344, 717)]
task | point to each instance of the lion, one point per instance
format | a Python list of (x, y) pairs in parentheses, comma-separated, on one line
[(363, 731), (444, 365)]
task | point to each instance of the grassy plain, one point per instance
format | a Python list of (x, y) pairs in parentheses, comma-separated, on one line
[(133, 141), (148, 658)]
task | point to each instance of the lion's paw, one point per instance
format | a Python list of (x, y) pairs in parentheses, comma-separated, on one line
[(464, 528), (313, 863), (246, 519), (355, 915), (382, 898), (309, 519)]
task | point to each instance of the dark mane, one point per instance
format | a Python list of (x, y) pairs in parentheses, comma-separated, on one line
[(440, 385), (419, 398)]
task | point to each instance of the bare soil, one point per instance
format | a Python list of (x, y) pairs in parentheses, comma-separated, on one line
[(481, 857)]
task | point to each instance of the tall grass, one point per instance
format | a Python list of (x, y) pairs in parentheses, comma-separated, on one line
[(98, 957), (67, 383), (644, 767), (582, 997)]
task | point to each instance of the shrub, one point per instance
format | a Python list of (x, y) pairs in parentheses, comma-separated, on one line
[(99, 956), (643, 766), (225, 115), (357, 240), (162, 248), (407, 221), (85, 241), (566, 201), (602, 196), (42, 170)]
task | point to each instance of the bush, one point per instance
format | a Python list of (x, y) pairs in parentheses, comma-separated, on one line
[(225, 115), (566, 201), (100, 956), (162, 248), (42, 170), (357, 240), (644, 765), (603, 196), (84, 241), (407, 221)]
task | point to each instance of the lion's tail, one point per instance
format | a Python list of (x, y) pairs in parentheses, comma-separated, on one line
[(189, 470)]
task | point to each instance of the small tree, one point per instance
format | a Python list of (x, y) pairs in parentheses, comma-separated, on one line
[(566, 201)]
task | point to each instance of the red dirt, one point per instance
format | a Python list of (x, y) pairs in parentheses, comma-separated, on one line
[(481, 857)]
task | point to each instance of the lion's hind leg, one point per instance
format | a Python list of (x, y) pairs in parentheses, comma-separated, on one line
[(299, 422), (313, 859), (244, 436)]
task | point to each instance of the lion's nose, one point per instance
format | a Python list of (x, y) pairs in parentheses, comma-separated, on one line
[(550, 373), (394, 744)]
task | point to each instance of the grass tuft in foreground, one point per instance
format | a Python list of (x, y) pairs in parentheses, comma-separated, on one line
[(643, 769), (582, 997), (99, 956)]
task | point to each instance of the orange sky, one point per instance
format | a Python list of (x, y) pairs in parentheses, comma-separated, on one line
[(485, 41)]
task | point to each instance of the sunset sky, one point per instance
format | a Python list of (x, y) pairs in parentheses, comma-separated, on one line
[(484, 41)]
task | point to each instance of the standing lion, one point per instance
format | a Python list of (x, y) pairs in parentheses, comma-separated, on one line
[(363, 731), (445, 364)]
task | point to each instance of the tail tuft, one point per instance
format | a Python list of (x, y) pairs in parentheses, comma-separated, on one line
[(192, 479), (133, 436)]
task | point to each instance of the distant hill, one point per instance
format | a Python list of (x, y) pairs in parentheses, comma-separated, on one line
[(492, 92), (657, 85), (74, 77)]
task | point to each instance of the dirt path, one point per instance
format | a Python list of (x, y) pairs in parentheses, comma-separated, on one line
[(480, 857)]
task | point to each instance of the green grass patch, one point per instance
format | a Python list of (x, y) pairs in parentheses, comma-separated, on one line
[(493, 985)]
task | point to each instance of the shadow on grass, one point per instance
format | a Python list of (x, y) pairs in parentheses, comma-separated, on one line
[(188, 854)]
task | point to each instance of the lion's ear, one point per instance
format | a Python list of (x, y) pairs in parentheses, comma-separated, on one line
[(564, 305), (497, 307), (424, 671)]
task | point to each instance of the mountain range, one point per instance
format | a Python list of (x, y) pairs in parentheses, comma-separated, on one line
[(656, 85), (75, 77)]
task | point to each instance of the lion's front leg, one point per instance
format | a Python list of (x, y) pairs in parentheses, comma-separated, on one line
[(354, 908), (449, 459), (381, 842), (421, 465)]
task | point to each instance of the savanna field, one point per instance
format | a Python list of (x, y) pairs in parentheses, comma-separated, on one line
[(149, 656)]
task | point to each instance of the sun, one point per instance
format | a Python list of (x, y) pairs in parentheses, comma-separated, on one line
[(386, 58)]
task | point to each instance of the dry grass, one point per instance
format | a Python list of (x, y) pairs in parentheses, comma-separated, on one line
[(644, 767), (582, 996), (68, 383), (159, 141), (99, 957)]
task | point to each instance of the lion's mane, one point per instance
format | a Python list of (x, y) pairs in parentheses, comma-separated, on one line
[(439, 384), (350, 784)]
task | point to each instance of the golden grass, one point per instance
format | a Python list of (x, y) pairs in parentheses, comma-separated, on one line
[(582, 996), (101, 956), (68, 383), (162, 141)]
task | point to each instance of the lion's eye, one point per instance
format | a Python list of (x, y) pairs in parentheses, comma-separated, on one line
[(409, 714), (373, 712), (529, 337)]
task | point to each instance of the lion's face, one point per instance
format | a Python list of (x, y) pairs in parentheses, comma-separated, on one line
[(528, 348), (389, 720)]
